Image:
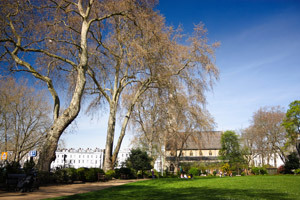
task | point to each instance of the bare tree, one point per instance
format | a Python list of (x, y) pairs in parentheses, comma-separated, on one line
[(24, 116), (149, 123), (266, 136), (142, 53), (49, 40)]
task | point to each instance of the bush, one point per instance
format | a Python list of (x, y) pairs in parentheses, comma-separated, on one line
[(297, 171), (124, 171), (259, 171), (243, 174), (72, 174), (28, 166), (45, 178), (81, 174), (110, 174), (13, 168), (291, 163), (91, 174), (214, 173), (194, 171), (61, 176), (281, 169)]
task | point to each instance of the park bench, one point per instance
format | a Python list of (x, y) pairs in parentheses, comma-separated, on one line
[(124, 176), (12, 181), (102, 177)]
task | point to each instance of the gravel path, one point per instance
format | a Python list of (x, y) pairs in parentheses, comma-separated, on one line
[(63, 190)]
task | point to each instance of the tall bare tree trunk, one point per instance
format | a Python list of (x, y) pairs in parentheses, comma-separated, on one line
[(108, 164), (47, 155)]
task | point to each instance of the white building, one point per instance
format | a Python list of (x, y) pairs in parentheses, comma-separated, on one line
[(122, 157), (89, 158)]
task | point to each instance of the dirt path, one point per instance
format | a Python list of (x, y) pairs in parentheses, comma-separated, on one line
[(62, 190)]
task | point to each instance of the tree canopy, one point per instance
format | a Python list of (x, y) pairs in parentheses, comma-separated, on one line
[(230, 149), (292, 124), (139, 160)]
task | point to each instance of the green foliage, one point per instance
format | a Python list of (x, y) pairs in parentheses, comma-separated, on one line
[(110, 174), (291, 163), (91, 174), (61, 176), (72, 175), (139, 160), (125, 172), (2, 173), (13, 168), (225, 167), (46, 178), (292, 123), (243, 174), (194, 171), (28, 166), (230, 150), (81, 173), (259, 171), (297, 171)]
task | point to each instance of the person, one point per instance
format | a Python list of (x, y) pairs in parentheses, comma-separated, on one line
[(220, 174), (185, 176)]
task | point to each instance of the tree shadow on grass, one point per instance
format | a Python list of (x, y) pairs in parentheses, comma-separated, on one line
[(152, 192)]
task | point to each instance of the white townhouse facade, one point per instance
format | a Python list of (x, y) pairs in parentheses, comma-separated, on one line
[(89, 158)]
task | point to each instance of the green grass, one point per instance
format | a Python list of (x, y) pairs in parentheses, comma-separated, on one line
[(247, 187)]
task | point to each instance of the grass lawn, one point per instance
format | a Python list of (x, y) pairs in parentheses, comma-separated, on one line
[(244, 187)]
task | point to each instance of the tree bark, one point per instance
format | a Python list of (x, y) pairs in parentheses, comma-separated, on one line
[(47, 155), (108, 164)]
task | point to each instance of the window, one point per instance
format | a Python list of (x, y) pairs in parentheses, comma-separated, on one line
[(87, 156), (210, 153), (79, 156), (78, 161)]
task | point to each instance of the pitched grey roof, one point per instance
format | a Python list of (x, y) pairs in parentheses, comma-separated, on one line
[(204, 140)]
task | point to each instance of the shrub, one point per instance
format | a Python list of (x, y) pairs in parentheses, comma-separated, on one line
[(194, 171), (291, 163), (297, 171), (127, 172), (13, 168), (28, 166), (281, 169), (61, 176), (45, 178), (243, 174), (72, 174), (81, 174), (225, 167), (91, 174), (110, 174), (259, 171)]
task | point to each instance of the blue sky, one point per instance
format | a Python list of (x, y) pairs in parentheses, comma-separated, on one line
[(259, 60)]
